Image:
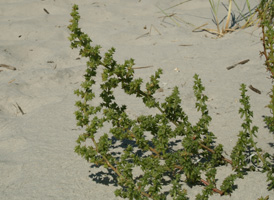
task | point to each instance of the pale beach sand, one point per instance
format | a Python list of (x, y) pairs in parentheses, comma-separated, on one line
[(37, 159)]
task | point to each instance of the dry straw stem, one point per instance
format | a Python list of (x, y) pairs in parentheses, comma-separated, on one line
[(221, 32), (169, 16), (228, 15), (251, 19), (177, 4), (149, 33)]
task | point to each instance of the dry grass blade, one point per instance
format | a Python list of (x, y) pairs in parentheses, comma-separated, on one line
[(168, 15), (149, 33), (173, 16), (251, 21), (215, 8), (228, 15), (152, 26), (250, 17), (183, 21), (178, 4), (199, 27), (212, 31), (146, 34), (221, 32)]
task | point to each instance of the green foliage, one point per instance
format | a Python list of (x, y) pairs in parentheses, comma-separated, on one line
[(156, 160), (245, 144), (266, 14), (228, 183), (269, 120), (264, 198)]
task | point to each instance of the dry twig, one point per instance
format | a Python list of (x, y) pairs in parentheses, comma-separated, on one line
[(7, 66), (239, 63)]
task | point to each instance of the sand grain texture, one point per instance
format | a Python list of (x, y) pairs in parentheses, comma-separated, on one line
[(37, 125)]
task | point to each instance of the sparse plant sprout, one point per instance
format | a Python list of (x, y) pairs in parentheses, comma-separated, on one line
[(263, 198), (196, 158)]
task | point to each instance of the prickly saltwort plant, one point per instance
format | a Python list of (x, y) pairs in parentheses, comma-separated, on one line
[(246, 154), (158, 162), (266, 14)]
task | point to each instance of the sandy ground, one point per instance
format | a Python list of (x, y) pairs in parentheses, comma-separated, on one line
[(37, 159)]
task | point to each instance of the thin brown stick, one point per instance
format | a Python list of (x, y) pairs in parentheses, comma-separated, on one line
[(254, 89), (7, 66), (149, 66), (185, 45), (214, 189), (212, 151), (243, 62), (239, 63), (20, 109), (46, 11)]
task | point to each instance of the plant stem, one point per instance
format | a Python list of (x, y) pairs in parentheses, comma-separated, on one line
[(228, 15), (203, 181), (214, 189), (212, 151)]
